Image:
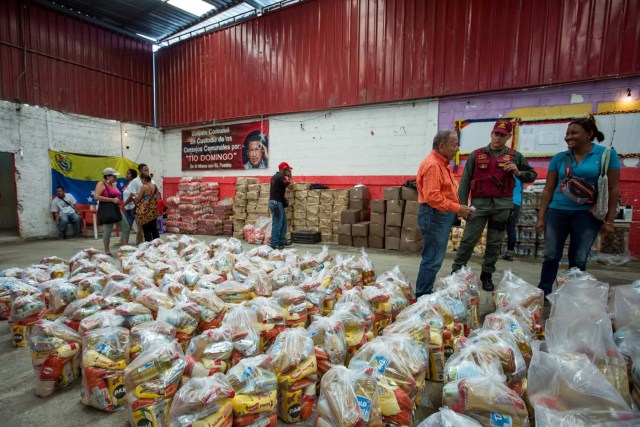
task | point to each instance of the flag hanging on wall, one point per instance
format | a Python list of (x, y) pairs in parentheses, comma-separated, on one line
[(78, 174)]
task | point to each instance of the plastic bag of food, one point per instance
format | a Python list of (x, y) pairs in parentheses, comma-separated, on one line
[(210, 281), (379, 300), (260, 281), (294, 302), (101, 319), (514, 291), (397, 298), (61, 294), (151, 382), (472, 362), (25, 312), (55, 355), (415, 357), (242, 324), (353, 301), (271, 319), (7, 285), (281, 277), (626, 303), (223, 263), (256, 400), (448, 418), (487, 400), (184, 317), (203, 402), (177, 291), (355, 331), (506, 323), (134, 314), (212, 308), (582, 328), (105, 354), (142, 281), (573, 273), (209, 353), (233, 292), (349, 398), (294, 361), (88, 284), (397, 385), (569, 390), (146, 335), (153, 299), (329, 342), (396, 277)]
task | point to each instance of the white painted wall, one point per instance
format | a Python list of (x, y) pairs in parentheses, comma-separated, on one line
[(371, 140), (31, 131)]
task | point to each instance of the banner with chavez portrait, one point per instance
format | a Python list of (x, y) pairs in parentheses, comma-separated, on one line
[(238, 146)]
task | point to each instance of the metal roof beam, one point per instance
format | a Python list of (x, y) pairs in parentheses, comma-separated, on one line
[(253, 4)]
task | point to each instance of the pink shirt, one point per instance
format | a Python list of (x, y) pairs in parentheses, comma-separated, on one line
[(111, 191)]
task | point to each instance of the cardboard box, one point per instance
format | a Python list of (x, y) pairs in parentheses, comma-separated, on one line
[(350, 216), (345, 240), (409, 193), (365, 216), (345, 229), (376, 230), (396, 206), (393, 219), (360, 204), (411, 235), (392, 193), (377, 218), (360, 229), (409, 221), (361, 242), (392, 232), (376, 242), (378, 206), (359, 193), (392, 243), (411, 207), (410, 246)]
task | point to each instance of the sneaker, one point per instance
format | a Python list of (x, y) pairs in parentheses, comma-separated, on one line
[(487, 283), (508, 256)]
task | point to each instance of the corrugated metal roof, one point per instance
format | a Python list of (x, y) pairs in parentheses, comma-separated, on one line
[(157, 19)]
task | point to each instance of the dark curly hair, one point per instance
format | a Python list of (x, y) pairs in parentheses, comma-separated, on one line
[(589, 125)]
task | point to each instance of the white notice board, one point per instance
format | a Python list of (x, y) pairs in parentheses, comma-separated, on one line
[(621, 128), (542, 138), (475, 134)]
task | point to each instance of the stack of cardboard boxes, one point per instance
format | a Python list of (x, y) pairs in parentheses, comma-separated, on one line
[(240, 204), (354, 222), (401, 220)]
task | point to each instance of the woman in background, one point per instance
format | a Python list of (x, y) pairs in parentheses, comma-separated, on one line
[(147, 208), (561, 217), (107, 192)]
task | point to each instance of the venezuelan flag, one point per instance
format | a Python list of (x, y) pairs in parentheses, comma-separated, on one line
[(78, 174)]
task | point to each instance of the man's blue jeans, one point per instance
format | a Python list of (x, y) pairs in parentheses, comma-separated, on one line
[(278, 224), (65, 219), (435, 226), (581, 227), (130, 214)]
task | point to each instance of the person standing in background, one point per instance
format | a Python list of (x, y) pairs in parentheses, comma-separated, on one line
[(512, 234), (134, 187), (130, 209), (488, 175), (439, 204), (277, 203)]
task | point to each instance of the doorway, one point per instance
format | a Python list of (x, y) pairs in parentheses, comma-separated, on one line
[(8, 199)]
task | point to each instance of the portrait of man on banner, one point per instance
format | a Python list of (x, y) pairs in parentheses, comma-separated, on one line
[(255, 150)]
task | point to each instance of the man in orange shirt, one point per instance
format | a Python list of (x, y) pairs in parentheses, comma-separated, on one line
[(439, 204)]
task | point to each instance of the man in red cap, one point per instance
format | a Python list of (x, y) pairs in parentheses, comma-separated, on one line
[(277, 203), (488, 176)]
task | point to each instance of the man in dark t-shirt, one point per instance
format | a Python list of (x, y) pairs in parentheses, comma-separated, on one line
[(277, 202)]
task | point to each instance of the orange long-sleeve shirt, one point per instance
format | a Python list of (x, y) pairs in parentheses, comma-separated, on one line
[(436, 186)]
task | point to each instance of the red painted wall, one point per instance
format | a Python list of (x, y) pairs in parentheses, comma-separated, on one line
[(59, 62), (323, 54)]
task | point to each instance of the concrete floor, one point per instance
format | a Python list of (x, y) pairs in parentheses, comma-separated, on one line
[(20, 407)]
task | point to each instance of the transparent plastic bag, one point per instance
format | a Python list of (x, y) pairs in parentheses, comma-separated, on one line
[(55, 356), (209, 353), (101, 319), (203, 401), (242, 324), (134, 314), (329, 341), (353, 301), (626, 303), (349, 398), (256, 398), (271, 319), (147, 335), (447, 418), (105, 354), (294, 302), (233, 292), (211, 306), (396, 277)]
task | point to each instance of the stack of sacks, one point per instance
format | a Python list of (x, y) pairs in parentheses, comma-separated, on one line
[(150, 334), (259, 232), (523, 298), (240, 205), (172, 222), (192, 206), (313, 210), (203, 402), (329, 341), (448, 418), (579, 324), (253, 202), (208, 353), (300, 192), (105, 355), (151, 381), (271, 319), (55, 355), (256, 392), (349, 398), (27, 306), (294, 303), (397, 385), (295, 364)]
